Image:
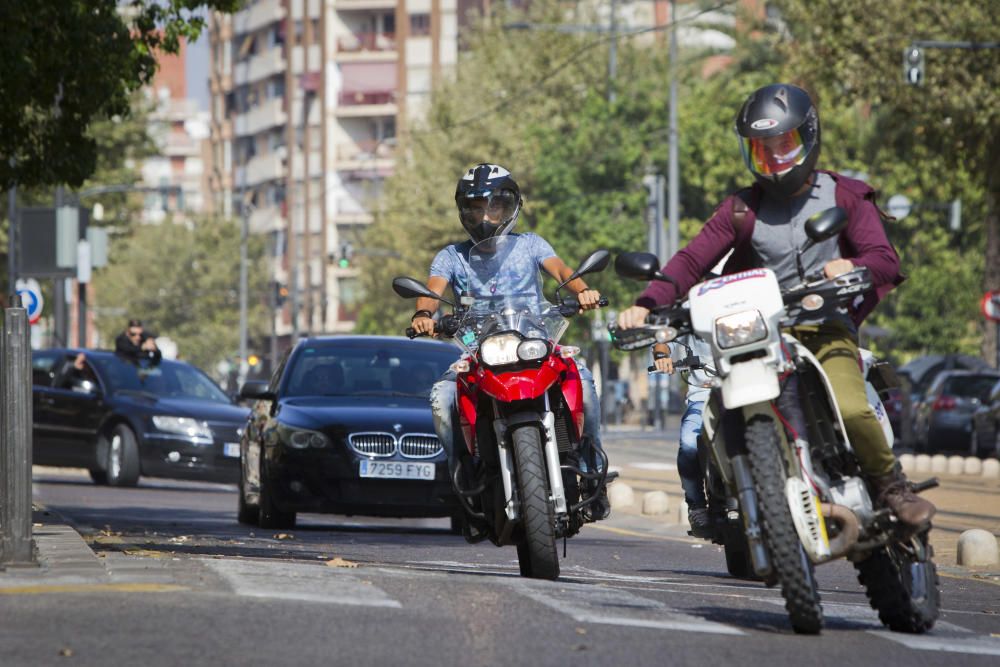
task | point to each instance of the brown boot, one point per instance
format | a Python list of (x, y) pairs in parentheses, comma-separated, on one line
[(893, 491)]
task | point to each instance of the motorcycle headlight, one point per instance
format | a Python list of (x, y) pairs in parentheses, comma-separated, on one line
[(740, 328), (182, 426), (300, 438), (500, 349), (532, 349)]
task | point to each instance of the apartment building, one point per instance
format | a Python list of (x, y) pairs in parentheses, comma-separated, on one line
[(308, 98)]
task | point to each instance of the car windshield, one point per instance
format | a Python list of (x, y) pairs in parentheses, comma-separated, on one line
[(167, 379), (379, 368), (969, 386)]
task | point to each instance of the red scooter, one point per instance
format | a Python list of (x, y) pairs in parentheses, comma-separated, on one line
[(520, 411)]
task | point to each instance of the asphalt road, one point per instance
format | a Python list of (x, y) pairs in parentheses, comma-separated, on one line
[(186, 584)]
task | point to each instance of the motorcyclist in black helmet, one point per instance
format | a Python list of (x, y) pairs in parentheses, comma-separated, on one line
[(779, 133), (489, 202)]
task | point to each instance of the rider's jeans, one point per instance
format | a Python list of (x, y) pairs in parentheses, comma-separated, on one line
[(443, 407), (687, 456), (837, 351)]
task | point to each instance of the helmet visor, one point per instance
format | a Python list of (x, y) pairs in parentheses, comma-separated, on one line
[(495, 209), (769, 156)]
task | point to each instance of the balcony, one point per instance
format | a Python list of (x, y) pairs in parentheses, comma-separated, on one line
[(347, 5), (366, 155), (364, 104), (265, 220), (267, 115), (369, 45), (260, 66), (262, 168), (260, 15)]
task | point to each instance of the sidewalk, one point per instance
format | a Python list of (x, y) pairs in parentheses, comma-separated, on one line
[(63, 558)]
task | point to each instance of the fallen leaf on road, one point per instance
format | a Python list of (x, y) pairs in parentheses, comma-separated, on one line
[(283, 536), (340, 562), (65, 652)]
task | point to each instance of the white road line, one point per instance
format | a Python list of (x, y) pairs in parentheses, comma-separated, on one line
[(976, 645), (301, 582), (609, 606)]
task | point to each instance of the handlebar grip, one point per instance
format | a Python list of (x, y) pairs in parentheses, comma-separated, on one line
[(603, 302), (412, 333)]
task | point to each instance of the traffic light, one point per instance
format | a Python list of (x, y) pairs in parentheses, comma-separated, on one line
[(280, 294), (346, 254), (913, 65), (253, 360)]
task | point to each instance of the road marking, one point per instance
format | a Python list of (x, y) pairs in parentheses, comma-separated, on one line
[(610, 606), (977, 645), (298, 581), (91, 588), (652, 465)]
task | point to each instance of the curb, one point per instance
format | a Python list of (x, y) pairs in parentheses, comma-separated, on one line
[(968, 466)]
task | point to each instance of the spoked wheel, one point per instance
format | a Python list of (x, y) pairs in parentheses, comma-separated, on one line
[(792, 566), (901, 583), (537, 552)]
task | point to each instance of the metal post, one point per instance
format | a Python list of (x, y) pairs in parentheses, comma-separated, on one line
[(83, 277), (60, 314), (613, 53), (16, 546), (244, 240), (672, 169), (12, 232)]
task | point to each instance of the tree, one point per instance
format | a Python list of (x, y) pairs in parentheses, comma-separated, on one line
[(64, 63), (951, 121), (181, 281)]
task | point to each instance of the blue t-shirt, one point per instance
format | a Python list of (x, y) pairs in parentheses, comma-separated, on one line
[(513, 271)]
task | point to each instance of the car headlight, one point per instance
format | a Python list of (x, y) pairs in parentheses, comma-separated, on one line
[(500, 349), (182, 426), (301, 438), (740, 328), (532, 349)]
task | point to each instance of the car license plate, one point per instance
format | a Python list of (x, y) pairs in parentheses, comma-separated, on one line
[(397, 470), (231, 449)]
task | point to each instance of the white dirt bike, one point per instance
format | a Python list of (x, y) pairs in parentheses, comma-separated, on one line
[(777, 444)]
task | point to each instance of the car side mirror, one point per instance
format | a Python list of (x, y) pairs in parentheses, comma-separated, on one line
[(256, 390)]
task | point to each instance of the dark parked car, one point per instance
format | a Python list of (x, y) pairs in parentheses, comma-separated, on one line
[(943, 419), (345, 426), (120, 420), (986, 425)]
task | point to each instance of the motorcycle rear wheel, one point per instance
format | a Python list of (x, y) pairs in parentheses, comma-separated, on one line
[(792, 566), (536, 552), (903, 590)]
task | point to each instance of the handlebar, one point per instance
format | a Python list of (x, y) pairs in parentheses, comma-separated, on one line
[(689, 363)]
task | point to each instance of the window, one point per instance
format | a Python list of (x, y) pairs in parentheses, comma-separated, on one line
[(420, 24)]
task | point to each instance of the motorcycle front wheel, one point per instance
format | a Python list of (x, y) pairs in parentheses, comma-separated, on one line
[(792, 566), (902, 587), (536, 552)]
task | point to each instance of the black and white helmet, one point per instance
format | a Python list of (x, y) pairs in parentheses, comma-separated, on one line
[(488, 201), (779, 136)]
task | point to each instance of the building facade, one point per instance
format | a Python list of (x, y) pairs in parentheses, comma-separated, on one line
[(308, 99)]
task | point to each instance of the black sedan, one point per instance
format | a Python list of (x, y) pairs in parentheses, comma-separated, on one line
[(986, 425), (120, 419), (345, 426), (944, 415)]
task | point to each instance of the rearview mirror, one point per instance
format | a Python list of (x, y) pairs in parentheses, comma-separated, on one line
[(637, 265), (256, 390), (596, 261), (411, 288), (826, 224)]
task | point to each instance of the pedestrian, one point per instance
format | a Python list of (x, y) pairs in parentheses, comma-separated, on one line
[(137, 345)]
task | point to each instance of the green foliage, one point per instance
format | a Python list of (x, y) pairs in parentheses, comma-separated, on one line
[(64, 63), (183, 281)]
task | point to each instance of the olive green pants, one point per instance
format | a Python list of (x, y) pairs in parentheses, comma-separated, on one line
[(837, 351)]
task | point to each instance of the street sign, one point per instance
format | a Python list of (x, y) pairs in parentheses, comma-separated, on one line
[(31, 297), (990, 305), (899, 206)]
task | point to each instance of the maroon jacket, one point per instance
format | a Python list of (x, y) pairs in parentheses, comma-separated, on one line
[(863, 242)]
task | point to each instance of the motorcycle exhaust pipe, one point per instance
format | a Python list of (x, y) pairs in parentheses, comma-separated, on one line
[(848, 528)]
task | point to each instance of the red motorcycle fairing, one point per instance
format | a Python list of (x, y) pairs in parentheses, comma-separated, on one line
[(519, 385)]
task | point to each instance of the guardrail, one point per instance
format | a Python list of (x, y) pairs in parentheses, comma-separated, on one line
[(16, 545)]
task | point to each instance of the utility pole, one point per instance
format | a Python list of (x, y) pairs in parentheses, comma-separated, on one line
[(12, 239), (244, 240)]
